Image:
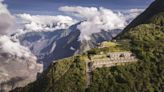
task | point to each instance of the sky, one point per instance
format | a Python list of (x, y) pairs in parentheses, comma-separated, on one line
[(50, 7)]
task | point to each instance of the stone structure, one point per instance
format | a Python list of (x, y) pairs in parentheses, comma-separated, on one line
[(120, 55), (113, 59)]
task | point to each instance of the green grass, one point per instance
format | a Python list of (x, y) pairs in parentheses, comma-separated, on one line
[(109, 44), (107, 47)]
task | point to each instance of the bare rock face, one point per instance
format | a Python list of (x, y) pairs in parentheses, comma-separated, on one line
[(18, 66)]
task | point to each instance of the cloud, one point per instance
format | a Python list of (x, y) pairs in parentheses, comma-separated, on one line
[(10, 46), (135, 12), (3, 8), (79, 11), (6, 24), (6, 20), (97, 19), (16, 61), (45, 22), (131, 14)]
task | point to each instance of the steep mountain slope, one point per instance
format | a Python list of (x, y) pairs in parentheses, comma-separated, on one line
[(68, 74), (145, 40), (53, 45), (43, 44), (144, 18)]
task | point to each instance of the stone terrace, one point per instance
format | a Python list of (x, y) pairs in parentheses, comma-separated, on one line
[(112, 59)]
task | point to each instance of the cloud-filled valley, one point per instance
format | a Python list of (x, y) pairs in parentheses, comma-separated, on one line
[(16, 61)]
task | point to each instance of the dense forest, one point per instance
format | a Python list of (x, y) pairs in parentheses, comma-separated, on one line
[(145, 37)]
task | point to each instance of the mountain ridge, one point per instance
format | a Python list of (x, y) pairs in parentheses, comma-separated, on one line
[(156, 7)]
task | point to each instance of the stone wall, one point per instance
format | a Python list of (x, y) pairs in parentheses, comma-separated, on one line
[(112, 59), (118, 55)]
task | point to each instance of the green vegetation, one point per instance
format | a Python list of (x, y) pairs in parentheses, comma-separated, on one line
[(67, 75), (158, 19), (146, 41), (145, 76), (107, 47), (144, 37), (109, 44), (155, 9)]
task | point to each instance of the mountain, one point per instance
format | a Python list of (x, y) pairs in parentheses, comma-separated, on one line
[(144, 37), (53, 45), (146, 17)]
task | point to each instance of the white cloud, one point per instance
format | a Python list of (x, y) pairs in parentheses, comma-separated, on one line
[(72, 48), (80, 11), (45, 22), (97, 19), (132, 13), (3, 8), (16, 61), (6, 24), (8, 45), (135, 12), (6, 20)]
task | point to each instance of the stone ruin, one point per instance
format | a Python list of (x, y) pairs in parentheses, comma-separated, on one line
[(112, 59), (121, 55)]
